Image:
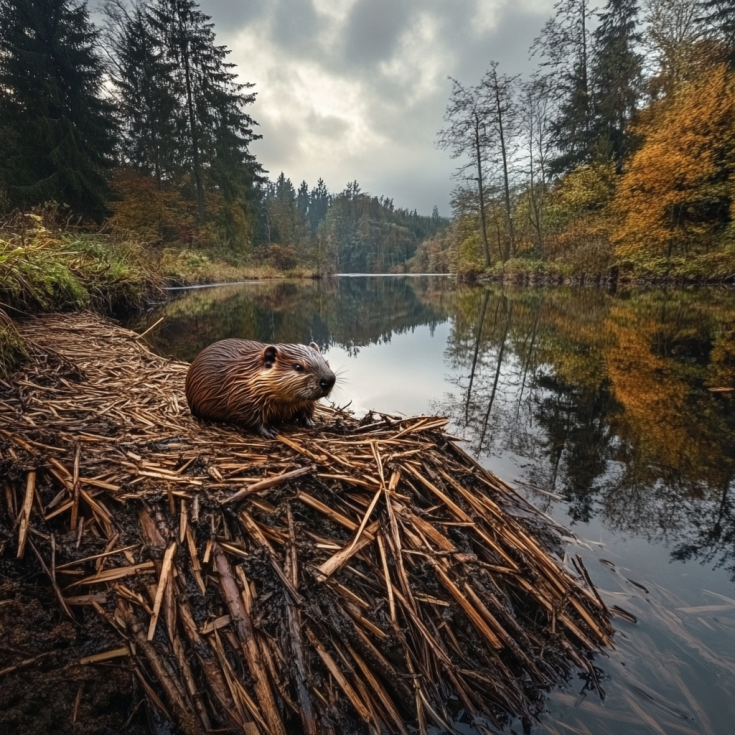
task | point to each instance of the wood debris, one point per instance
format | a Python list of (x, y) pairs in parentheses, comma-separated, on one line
[(364, 576)]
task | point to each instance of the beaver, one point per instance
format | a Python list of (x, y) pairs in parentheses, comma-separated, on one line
[(258, 386)]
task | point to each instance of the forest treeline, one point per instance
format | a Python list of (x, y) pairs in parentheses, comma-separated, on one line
[(141, 122), (615, 157)]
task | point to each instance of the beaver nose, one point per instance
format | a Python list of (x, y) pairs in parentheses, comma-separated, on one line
[(327, 382)]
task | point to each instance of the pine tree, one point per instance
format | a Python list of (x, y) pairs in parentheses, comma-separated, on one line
[(616, 79), (218, 129), (302, 199), (148, 93), (720, 16), (57, 130), (318, 205), (565, 44)]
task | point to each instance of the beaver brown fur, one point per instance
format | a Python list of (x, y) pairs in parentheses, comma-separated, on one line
[(258, 386)]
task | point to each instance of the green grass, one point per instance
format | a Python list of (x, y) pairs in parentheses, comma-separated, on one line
[(46, 270), (187, 267), (47, 265), (12, 347)]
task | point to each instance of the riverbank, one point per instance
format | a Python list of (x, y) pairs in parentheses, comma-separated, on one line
[(149, 536), (45, 266), (712, 269)]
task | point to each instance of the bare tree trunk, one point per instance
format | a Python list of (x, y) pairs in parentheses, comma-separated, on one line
[(483, 224), (478, 338), (501, 351), (506, 184)]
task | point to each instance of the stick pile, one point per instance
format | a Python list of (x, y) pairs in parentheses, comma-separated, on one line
[(360, 577)]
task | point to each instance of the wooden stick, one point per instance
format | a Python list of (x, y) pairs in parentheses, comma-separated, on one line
[(243, 625), (268, 483), (25, 517), (339, 677), (335, 562), (166, 567), (388, 585)]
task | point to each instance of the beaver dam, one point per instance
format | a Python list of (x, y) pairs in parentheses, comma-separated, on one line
[(364, 576)]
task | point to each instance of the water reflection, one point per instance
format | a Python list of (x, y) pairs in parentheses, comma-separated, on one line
[(609, 400), (604, 408), (349, 312)]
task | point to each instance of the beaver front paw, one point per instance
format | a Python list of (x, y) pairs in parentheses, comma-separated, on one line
[(305, 421), (269, 432)]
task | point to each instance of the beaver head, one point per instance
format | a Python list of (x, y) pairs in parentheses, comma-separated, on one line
[(297, 372)]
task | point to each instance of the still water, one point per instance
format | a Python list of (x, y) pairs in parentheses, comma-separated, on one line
[(613, 412)]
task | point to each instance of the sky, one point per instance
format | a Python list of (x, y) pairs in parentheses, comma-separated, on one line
[(356, 89)]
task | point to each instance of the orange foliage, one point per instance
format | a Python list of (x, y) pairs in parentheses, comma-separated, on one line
[(151, 211), (678, 190)]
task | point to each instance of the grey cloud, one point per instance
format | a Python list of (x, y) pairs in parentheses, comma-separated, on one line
[(408, 168), (231, 15), (372, 30), (294, 25)]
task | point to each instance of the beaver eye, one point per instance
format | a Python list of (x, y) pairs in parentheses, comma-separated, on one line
[(298, 368)]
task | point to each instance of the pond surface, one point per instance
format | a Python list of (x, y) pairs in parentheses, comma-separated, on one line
[(613, 412)]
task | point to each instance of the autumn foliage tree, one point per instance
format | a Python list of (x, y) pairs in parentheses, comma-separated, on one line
[(676, 198)]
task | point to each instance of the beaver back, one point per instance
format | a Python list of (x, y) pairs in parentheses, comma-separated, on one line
[(257, 385)]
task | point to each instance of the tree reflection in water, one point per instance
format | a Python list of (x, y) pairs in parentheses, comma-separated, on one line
[(601, 399), (607, 400)]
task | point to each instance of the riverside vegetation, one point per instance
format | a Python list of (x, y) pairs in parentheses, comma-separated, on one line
[(615, 159)]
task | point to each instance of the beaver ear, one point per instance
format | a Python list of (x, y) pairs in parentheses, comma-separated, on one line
[(314, 346), (269, 355)]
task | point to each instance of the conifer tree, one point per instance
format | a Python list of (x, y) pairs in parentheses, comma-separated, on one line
[(318, 205), (616, 79), (218, 129), (147, 91), (720, 16), (302, 199), (564, 43), (56, 129)]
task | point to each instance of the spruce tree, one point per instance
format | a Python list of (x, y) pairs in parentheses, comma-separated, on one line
[(148, 93), (56, 129), (616, 79), (302, 199), (719, 15), (218, 129), (564, 43), (318, 205)]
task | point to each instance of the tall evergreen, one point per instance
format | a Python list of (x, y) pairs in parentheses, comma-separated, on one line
[(616, 79), (720, 16), (564, 43), (148, 93), (302, 199), (56, 129), (218, 128), (318, 205)]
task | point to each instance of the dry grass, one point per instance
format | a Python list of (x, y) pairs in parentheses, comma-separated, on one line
[(361, 577), (185, 267)]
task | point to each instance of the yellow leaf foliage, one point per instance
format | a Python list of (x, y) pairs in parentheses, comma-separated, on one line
[(678, 190), (579, 208)]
